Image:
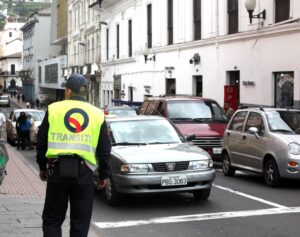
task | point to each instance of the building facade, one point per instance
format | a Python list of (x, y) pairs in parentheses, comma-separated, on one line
[(11, 45), (84, 45), (37, 47), (206, 48)]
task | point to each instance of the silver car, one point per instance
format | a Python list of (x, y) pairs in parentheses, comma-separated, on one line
[(263, 140), (150, 156)]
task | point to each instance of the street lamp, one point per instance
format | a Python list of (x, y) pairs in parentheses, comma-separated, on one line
[(250, 6)]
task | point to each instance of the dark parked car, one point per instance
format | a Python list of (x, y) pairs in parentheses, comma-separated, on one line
[(192, 115), (263, 140), (149, 155), (120, 111)]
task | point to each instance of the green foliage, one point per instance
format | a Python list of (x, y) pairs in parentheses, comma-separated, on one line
[(25, 9)]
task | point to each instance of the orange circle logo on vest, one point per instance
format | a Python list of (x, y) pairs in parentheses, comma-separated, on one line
[(73, 124)]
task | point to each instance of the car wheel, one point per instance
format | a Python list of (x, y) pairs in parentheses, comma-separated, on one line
[(227, 169), (202, 194), (111, 195), (271, 173)]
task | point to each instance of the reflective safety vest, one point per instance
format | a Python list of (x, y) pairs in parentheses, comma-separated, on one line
[(74, 129)]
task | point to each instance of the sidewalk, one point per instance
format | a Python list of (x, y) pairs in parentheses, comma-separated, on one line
[(22, 196)]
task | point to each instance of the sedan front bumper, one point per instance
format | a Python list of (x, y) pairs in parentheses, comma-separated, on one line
[(151, 182)]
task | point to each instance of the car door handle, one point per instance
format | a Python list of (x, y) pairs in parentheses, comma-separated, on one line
[(228, 134), (244, 137)]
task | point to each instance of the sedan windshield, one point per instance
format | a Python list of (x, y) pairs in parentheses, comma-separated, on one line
[(199, 111), (284, 121), (142, 132)]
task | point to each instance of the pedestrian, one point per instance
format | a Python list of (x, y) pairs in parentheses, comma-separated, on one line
[(37, 102), (2, 123), (31, 104), (23, 127), (18, 97), (15, 93), (32, 131), (71, 140), (27, 104), (23, 98)]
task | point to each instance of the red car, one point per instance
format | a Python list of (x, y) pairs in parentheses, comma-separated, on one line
[(196, 116)]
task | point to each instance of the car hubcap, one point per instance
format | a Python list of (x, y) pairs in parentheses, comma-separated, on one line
[(108, 190), (225, 163), (269, 173)]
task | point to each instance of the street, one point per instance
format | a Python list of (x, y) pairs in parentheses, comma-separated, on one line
[(238, 206)]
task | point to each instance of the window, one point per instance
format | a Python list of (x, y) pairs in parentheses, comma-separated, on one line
[(282, 10), (284, 89), (170, 86), (13, 69), (170, 22), (107, 44), (198, 86), (197, 19), (149, 26), (238, 121), (233, 16), (130, 38), (255, 120), (118, 41)]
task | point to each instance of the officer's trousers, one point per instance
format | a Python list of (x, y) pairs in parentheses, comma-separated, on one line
[(79, 191)]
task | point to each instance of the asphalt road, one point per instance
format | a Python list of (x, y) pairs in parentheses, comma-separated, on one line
[(238, 206)]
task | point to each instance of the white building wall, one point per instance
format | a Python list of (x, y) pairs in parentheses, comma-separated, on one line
[(257, 51)]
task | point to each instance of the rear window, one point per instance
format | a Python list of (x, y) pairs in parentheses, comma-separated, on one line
[(4, 97)]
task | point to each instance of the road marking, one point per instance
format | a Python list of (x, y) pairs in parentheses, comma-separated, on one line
[(249, 196), (199, 217)]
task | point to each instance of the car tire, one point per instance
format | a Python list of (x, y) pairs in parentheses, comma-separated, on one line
[(227, 169), (271, 173), (111, 196), (202, 195)]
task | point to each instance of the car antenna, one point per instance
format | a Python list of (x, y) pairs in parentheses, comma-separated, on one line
[(261, 109)]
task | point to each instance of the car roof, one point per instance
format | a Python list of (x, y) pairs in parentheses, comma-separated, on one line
[(134, 118), (28, 110), (179, 98), (268, 109), (120, 108)]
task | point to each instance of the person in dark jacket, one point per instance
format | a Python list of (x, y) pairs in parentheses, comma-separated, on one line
[(23, 127), (71, 140)]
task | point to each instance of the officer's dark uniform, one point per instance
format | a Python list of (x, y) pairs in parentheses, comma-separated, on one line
[(78, 190)]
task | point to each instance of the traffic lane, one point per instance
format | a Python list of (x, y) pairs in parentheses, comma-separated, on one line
[(258, 226), (156, 206), (253, 184)]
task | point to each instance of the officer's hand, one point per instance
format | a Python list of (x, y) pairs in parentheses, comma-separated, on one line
[(101, 183), (43, 175)]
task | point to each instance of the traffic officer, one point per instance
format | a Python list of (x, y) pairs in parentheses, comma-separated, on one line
[(71, 141)]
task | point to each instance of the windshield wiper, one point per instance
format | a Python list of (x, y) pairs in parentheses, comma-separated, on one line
[(128, 143), (202, 119), (282, 130), (181, 119), (151, 143)]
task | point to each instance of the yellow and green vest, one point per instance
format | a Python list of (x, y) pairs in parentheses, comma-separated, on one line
[(74, 128)]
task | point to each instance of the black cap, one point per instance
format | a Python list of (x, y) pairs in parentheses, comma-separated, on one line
[(75, 82)]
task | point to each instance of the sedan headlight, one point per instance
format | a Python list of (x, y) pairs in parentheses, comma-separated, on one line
[(294, 148), (135, 168), (201, 164)]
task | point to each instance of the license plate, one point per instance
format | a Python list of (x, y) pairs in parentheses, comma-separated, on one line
[(217, 150), (172, 180)]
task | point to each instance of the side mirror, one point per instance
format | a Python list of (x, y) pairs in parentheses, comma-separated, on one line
[(190, 137), (254, 131)]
